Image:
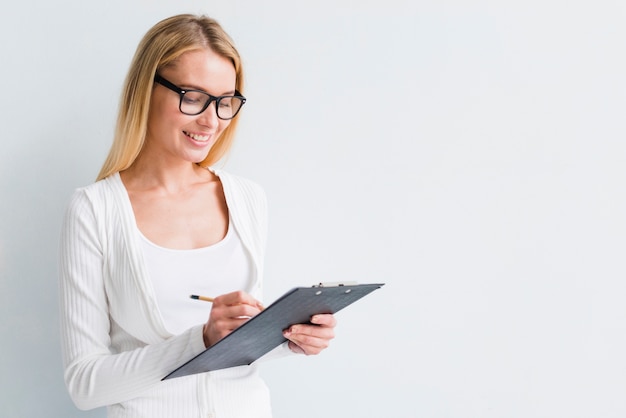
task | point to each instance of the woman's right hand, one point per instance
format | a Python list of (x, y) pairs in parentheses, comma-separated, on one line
[(228, 312)]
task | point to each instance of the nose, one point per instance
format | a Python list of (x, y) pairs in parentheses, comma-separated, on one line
[(209, 116)]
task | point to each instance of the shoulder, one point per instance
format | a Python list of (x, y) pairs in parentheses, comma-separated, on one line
[(95, 191), (241, 188), (237, 181), (93, 197)]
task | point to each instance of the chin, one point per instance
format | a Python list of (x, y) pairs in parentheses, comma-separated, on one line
[(197, 159)]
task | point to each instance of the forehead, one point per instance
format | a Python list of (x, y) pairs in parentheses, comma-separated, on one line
[(203, 69)]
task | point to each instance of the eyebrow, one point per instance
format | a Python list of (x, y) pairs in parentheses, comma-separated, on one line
[(194, 87)]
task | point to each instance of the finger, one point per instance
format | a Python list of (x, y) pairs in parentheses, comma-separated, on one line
[(308, 345), (296, 348), (307, 341), (314, 331), (240, 311), (237, 298), (229, 324), (327, 320), (311, 339)]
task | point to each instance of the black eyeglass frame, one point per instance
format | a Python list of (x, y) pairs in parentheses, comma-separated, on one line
[(181, 92)]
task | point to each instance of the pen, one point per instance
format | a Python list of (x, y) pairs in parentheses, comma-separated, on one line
[(204, 298)]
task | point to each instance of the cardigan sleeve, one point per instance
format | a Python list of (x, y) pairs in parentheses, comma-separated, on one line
[(94, 373)]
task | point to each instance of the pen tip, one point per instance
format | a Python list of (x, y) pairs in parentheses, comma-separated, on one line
[(193, 296)]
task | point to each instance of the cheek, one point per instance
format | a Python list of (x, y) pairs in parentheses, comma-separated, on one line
[(164, 114), (223, 124), (164, 121)]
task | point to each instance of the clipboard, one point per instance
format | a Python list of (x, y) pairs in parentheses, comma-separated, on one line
[(264, 332)]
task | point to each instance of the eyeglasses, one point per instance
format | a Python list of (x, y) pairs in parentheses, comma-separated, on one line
[(194, 102)]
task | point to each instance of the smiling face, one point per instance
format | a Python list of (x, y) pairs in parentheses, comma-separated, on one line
[(174, 136)]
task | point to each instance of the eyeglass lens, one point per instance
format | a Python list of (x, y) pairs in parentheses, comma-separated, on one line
[(195, 102)]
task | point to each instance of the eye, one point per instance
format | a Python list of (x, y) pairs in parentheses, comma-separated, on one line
[(194, 98), (226, 102)]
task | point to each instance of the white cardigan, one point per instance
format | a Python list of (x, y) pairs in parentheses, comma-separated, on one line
[(115, 346)]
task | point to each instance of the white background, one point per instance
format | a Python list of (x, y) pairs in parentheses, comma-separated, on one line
[(468, 154)]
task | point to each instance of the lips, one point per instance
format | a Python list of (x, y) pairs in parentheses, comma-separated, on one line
[(197, 137)]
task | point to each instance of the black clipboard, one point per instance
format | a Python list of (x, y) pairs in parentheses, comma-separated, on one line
[(263, 332)]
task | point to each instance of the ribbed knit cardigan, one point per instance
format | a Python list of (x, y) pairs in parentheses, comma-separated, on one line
[(114, 342)]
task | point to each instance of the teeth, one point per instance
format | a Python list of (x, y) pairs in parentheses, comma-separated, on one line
[(201, 138)]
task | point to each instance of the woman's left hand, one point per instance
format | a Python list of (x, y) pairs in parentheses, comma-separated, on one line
[(311, 339)]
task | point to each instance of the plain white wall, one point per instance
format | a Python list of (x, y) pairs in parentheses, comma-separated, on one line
[(468, 154)]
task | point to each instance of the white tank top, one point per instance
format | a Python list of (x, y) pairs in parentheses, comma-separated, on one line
[(211, 271)]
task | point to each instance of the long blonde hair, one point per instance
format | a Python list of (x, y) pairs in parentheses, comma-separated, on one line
[(161, 45)]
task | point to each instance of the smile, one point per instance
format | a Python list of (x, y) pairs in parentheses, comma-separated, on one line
[(196, 137)]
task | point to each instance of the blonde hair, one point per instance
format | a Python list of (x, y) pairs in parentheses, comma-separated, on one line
[(161, 46)]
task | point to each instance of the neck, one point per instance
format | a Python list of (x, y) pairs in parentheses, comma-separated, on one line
[(170, 177)]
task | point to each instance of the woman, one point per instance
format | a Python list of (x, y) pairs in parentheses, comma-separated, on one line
[(158, 225)]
